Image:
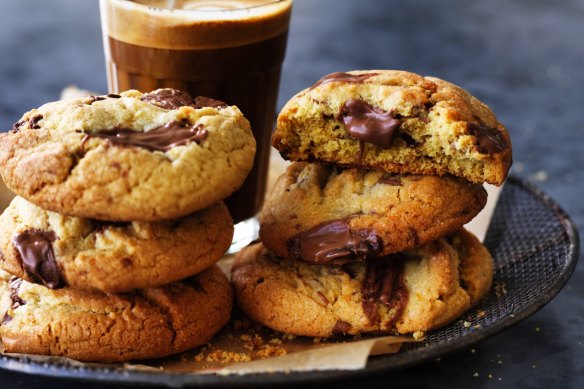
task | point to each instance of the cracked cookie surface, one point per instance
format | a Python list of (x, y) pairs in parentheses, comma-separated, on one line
[(394, 121), (395, 212), (128, 157), (111, 257), (418, 290), (98, 327)]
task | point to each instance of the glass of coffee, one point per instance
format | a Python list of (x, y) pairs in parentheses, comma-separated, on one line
[(230, 50)]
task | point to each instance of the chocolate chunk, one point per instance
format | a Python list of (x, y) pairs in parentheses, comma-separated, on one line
[(384, 283), (16, 126), (13, 288), (162, 138), (93, 99), (174, 99), (341, 327), (114, 96), (202, 102), (6, 319), (333, 243), (369, 124), (489, 140), (38, 260), (33, 122), (343, 77), (322, 298)]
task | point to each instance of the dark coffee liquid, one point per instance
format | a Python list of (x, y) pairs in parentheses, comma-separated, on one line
[(246, 76)]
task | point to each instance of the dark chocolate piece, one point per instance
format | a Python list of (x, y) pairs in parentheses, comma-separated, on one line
[(6, 319), (114, 96), (343, 77), (369, 124), (341, 327), (93, 99), (14, 287), (162, 138), (174, 99), (203, 102), (384, 283), (489, 140), (16, 126), (333, 243), (32, 123), (38, 260)]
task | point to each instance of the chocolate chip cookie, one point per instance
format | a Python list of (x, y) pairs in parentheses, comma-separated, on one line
[(99, 327), (323, 214), (417, 290), (394, 121), (55, 250), (128, 157)]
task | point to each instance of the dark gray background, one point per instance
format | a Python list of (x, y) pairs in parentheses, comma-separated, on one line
[(524, 58)]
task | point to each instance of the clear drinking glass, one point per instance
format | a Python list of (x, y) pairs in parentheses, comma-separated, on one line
[(230, 50)]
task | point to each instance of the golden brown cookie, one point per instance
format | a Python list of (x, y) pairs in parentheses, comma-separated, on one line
[(128, 157), (417, 290), (322, 214), (98, 327), (394, 121), (56, 250)]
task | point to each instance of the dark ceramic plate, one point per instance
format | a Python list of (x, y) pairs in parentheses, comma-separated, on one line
[(535, 248)]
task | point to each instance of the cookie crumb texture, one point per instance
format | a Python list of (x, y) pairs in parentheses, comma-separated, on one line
[(442, 128), (97, 327), (403, 211), (54, 158), (440, 280), (117, 257)]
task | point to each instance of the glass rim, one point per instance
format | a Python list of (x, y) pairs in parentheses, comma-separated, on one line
[(152, 7)]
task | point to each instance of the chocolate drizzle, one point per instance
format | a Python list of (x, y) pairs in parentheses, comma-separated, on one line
[(162, 138), (342, 77), (489, 140), (173, 99), (38, 260), (384, 283), (334, 243), (369, 124)]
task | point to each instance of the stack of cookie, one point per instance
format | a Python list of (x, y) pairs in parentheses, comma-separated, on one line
[(108, 252), (370, 238)]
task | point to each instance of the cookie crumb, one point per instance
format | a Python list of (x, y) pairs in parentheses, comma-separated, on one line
[(418, 334), (466, 324), (475, 375), (500, 289)]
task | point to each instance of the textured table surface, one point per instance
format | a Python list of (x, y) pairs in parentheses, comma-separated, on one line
[(524, 58)]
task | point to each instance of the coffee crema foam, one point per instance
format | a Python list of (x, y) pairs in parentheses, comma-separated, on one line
[(205, 5), (194, 25)]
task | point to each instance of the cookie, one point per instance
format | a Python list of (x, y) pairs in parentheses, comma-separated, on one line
[(394, 121), (322, 214), (417, 290), (48, 248), (128, 157), (98, 327)]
